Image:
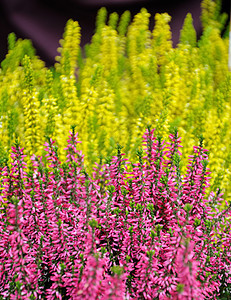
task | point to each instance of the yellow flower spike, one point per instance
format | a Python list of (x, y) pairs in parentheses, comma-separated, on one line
[(32, 129), (63, 118), (122, 30), (220, 56), (28, 74), (101, 19), (49, 83), (175, 88), (32, 124), (211, 15), (188, 35), (124, 22), (113, 20), (139, 57), (70, 94), (84, 123), (4, 119), (50, 107), (60, 135), (70, 47), (162, 43), (138, 38), (93, 49), (109, 50), (161, 122)]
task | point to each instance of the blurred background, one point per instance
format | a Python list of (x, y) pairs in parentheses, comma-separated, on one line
[(43, 21)]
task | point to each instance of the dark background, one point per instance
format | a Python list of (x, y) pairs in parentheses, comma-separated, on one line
[(43, 21)]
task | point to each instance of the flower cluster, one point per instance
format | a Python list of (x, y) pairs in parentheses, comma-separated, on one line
[(126, 78), (138, 230)]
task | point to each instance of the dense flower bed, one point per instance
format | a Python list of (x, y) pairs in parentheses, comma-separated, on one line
[(136, 230), (128, 77), (154, 225)]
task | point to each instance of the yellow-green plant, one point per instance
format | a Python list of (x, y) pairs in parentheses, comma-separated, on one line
[(127, 78)]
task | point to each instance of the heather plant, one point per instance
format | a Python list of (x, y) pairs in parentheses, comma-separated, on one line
[(128, 77), (131, 230)]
